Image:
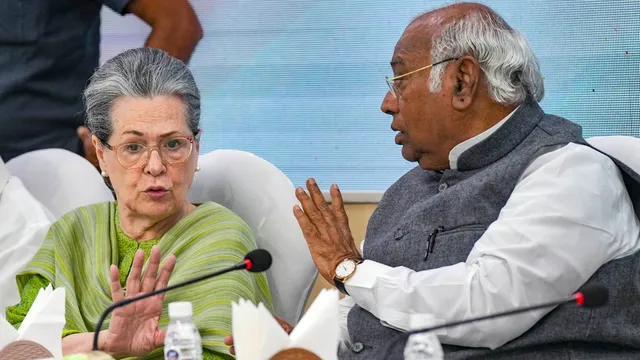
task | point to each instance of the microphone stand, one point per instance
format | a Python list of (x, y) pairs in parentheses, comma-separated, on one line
[(478, 318)]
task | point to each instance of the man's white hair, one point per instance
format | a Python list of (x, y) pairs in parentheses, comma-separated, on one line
[(511, 68)]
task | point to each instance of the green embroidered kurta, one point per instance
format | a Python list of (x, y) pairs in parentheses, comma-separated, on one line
[(82, 245)]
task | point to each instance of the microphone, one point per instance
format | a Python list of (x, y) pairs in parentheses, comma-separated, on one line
[(256, 261), (590, 296)]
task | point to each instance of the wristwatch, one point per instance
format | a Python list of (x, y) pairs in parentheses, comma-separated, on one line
[(345, 269)]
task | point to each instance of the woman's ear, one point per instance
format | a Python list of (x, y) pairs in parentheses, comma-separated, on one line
[(97, 144), (197, 141)]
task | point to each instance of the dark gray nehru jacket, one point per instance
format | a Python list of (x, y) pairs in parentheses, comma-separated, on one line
[(462, 203)]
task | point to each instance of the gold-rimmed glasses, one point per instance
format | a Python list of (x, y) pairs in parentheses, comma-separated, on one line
[(173, 150), (391, 81)]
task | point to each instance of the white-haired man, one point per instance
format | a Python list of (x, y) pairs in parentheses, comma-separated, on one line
[(508, 207)]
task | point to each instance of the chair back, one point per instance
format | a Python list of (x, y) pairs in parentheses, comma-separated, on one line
[(264, 197), (624, 148), (61, 180)]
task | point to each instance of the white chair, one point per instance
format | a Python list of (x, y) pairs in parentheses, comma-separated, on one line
[(24, 223), (624, 148), (61, 180), (264, 197)]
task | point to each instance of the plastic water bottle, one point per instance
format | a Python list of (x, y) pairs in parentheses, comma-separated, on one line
[(422, 346), (182, 341)]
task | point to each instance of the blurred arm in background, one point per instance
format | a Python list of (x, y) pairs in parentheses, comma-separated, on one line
[(175, 26)]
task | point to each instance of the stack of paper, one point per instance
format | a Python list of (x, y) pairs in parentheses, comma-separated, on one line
[(258, 336), (43, 324)]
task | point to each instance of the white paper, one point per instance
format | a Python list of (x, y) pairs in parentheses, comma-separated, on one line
[(7, 333), (258, 336), (244, 313), (319, 330), (276, 339), (36, 307), (43, 323)]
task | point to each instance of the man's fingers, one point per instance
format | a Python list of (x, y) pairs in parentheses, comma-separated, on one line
[(338, 209), (116, 290), (310, 209), (285, 325), (83, 133), (309, 230), (319, 202), (89, 150)]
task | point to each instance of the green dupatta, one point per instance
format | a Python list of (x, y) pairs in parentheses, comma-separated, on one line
[(81, 246)]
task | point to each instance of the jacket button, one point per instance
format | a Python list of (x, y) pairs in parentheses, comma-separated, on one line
[(357, 347), (443, 187), (399, 234)]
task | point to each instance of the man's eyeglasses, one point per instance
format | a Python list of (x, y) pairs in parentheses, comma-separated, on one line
[(174, 150), (391, 81)]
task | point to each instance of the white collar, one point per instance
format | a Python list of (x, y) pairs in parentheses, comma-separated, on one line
[(469, 143), (4, 175)]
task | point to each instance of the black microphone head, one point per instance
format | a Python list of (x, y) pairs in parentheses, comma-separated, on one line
[(593, 295), (260, 260)]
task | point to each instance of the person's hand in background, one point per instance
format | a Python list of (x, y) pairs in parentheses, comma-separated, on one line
[(89, 150)]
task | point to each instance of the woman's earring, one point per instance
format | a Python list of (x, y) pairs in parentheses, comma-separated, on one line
[(104, 174), (197, 168)]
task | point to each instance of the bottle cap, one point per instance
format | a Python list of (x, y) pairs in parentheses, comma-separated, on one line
[(180, 309)]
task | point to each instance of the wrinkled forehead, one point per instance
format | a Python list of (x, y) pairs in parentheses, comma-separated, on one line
[(149, 117)]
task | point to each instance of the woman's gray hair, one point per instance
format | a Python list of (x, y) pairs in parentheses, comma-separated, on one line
[(143, 73), (511, 68)]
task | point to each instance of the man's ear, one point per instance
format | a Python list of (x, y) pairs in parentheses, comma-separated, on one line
[(467, 77)]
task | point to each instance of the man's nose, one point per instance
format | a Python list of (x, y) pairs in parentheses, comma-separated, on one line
[(389, 104)]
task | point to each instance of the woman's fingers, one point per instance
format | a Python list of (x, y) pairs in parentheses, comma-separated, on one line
[(116, 290), (159, 338), (133, 281), (228, 340), (165, 272), (151, 274)]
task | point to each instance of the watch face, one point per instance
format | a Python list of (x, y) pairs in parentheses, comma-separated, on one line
[(345, 268)]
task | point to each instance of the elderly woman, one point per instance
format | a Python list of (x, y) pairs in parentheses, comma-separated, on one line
[(143, 109)]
